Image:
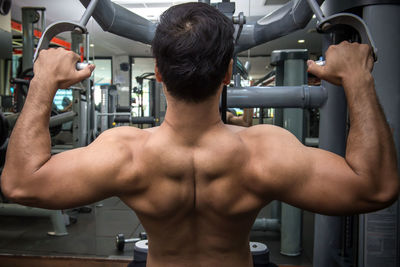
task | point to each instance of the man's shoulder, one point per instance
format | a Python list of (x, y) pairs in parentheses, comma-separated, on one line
[(263, 131), (124, 130), (263, 140), (122, 135)]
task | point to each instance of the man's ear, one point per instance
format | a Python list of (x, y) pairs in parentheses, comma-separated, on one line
[(228, 75), (157, 74)]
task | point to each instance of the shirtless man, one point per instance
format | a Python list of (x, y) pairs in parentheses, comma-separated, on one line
[(196, 184)]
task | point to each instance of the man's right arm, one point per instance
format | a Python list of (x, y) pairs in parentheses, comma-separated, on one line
[(320, 181)]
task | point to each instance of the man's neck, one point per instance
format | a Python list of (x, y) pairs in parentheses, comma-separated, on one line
[(192, 119)]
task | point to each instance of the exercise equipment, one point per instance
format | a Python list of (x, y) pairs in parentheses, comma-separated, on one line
[(66, 26), (335, 22), (373, 239), (120, 240), (5, 6), (332, 242)]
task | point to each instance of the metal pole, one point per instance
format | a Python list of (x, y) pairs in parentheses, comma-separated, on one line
[(302, 96), (294, 73), (76, 40), (261, 118), (29, 17), (88, 12), (61, 118), (310, 141), (278, 115), (383, 227), (265, 224), (88, 92), (332, 137), (43, 19), (152, 90), (276, 209), (316, 9), (104, 108)]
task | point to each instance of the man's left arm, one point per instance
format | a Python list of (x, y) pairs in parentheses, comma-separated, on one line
[(31, 176)]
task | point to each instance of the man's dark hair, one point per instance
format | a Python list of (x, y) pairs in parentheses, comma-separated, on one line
[(193, 46)]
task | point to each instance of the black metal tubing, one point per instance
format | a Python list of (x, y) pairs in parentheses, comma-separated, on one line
[(134, 120), (292, 16), (54, 120), (115, 19), (277, 97)]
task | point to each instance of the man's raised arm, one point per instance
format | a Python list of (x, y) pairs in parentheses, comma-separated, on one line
[(32, 176), (320, 181)]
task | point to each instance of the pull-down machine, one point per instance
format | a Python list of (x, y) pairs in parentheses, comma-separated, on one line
[(335, 242)]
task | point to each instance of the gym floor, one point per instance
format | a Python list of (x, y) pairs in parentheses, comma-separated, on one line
[(93, 235)]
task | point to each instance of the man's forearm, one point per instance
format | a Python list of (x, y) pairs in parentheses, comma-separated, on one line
[(30, 144), (370, 146)]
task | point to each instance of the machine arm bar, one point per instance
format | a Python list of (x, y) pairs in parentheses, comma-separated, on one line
[(332, 23), (277, 97), (115, 19), (54, 120), (292, 16), (134, 120), (65, 26), (61, 118)]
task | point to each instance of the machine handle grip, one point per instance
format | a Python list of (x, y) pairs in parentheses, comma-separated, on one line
[(81, 65), (330, 24), (66, 26)]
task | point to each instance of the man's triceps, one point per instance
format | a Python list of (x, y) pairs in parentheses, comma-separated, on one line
[(318, 181)]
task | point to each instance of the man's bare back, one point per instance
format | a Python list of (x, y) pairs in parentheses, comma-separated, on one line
[(196, 184), (198, 202)]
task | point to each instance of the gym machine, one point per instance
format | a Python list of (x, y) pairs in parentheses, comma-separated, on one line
[(372, 239), (30, 16), (333, 245), (112, 114), (81, 114)]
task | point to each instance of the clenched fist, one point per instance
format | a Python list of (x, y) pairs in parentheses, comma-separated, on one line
[(344, 62), (58, 66)]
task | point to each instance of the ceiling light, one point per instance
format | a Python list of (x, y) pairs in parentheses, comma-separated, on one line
[(314, 16), (91, 45), (301, 41)]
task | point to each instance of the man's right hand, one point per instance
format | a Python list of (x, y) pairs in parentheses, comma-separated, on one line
[(313, 179), (58, 66), (344, 62)]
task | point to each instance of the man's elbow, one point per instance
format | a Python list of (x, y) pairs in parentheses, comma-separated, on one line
[(7, 188), (15, 193), (389, 192), (394, 194)]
